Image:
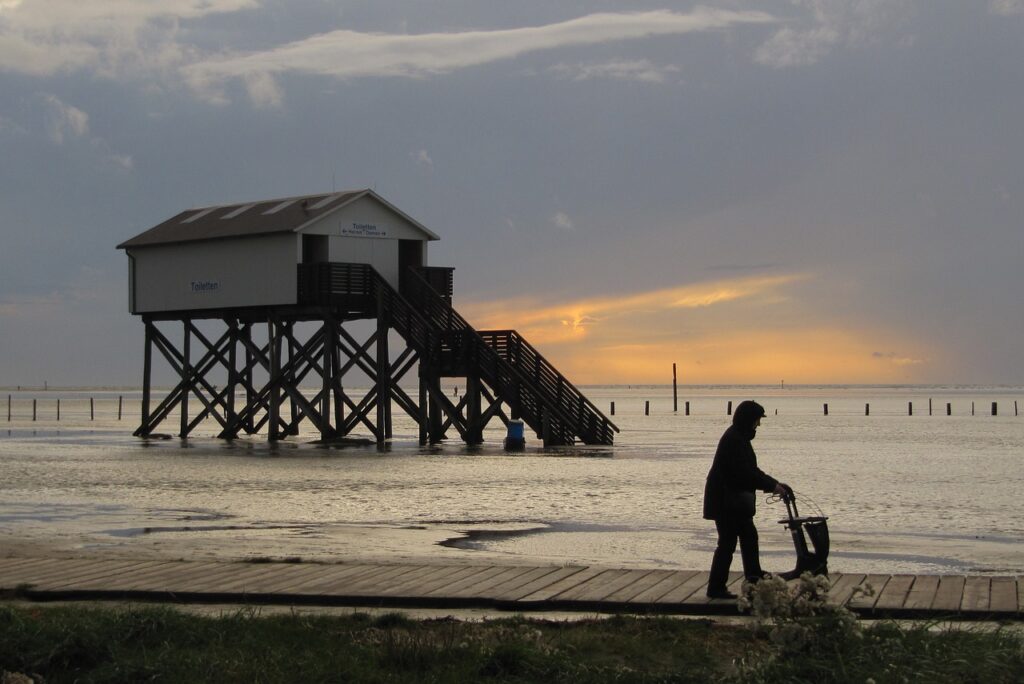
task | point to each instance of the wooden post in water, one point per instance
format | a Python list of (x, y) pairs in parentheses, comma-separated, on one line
[(995, 409), (33, 410), (728, 410), (120, 404), (675, 394), (58, 410), (92, 409), (687, 408), (929, 406), (910, 408), (867, 409), (1015, 407), (8, 408), (826, 409), (613, 408), (647, 408), (972, 408), (949, 409)]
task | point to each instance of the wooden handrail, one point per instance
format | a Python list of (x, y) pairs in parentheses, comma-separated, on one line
[(574, 409)]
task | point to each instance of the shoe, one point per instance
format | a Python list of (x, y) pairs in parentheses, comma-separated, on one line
[(720, 594), (754, 579)]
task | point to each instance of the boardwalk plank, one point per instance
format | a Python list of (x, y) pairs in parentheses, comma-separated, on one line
[(184, 577), (49, 568), (523, 586), (662, 587), (626, 583), (865, 602), (568, 581), (843, 586), (894, 593), (976, 595), (62, 568), (370, 582), (694, 584), (316, 579), (922, 593), (99, 579), (12, 570), (596, 588), (242, 581), (140, 578), (200, 577), (514, 576), (422, 586), (1003, 595), (638, 586), (470, 583), (333, 580), (450, 586), (215, 581), (950, 592)]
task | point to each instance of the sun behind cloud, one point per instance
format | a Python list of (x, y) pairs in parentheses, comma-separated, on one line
[(731, 331)]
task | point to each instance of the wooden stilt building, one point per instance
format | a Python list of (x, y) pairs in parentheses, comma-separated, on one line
[(254, 307)]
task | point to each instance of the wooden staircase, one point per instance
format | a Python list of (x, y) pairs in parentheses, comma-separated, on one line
[(515, 372)]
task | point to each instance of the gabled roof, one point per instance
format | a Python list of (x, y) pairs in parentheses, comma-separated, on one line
[(262, 217)]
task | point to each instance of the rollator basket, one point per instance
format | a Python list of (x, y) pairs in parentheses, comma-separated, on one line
[(811, 558)]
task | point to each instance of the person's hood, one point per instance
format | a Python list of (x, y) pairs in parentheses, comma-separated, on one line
[(746, 415)]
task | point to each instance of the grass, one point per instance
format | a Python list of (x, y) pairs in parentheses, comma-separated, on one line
[(145, 643)]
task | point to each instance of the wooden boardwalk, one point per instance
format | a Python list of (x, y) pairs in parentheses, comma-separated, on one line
[(499, 587)]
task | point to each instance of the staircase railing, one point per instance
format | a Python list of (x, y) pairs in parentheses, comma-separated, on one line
[(520, 354), (524, 378)]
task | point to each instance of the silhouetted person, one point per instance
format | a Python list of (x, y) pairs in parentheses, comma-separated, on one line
[(729, 498)]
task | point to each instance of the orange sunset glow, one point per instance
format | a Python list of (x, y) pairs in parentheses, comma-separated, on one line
[(744, 330)]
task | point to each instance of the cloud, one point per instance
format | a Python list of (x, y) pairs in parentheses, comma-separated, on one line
[(63, 120), (263, 90), (562, 220), (123, 161), (622, 70), (64, 123), (737, 330), (827, 25), (110, 37), (1006, 8), (348, 54), (897, 360), (422, 158), (86, 285), (564, 321)]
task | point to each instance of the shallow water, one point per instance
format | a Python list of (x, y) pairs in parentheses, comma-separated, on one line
[(920, 493)]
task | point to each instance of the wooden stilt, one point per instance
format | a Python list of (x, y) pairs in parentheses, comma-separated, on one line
[(274, 433), (186, 376), (147, 369), (232, 388), (383, 376)]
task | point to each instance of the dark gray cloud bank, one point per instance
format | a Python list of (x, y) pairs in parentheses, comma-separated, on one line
[(585, 149)]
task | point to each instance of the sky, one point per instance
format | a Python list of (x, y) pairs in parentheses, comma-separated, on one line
[(798, 191)]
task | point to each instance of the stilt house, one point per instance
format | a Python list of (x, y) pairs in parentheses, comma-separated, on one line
[(329, 259)]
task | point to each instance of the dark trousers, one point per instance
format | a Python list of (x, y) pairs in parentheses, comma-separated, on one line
[(730, 530)]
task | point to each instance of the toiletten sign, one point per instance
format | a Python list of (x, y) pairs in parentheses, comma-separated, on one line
[(203, 286), (356, 229)]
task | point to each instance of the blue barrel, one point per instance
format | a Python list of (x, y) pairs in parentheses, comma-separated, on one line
[(515, 436)]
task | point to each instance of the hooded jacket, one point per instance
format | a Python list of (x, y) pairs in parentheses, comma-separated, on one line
[(734, 474)]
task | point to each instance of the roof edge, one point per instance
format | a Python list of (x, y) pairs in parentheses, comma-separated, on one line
[(368, 192)]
